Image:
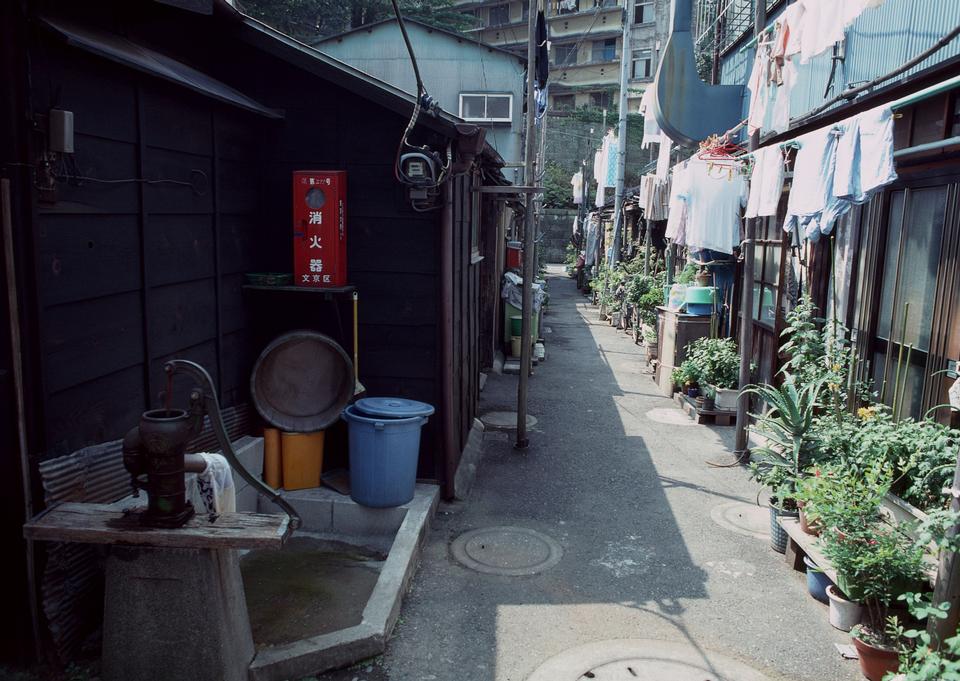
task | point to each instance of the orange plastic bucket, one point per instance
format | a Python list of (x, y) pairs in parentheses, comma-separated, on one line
[(302, 456)]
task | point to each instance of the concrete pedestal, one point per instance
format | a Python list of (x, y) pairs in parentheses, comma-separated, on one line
[(175, 614)]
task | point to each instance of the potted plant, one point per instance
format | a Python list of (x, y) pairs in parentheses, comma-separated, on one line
[(719, 365), (686, 378), (875, 564), (707, 399), (650, 341), (779, 463)]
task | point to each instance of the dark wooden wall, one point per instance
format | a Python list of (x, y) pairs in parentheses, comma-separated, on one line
[(131, 273), (393, 251)]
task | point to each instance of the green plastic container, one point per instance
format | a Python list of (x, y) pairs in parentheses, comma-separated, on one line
[(511, 311), (702, 295), (516, 325)]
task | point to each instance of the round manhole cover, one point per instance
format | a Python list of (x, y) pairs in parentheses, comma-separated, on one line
[(504, 420), (643, 660), (674, 417), (743, 518), (511, 551)]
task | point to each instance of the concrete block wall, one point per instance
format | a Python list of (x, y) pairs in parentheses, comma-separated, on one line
[(556, 228)]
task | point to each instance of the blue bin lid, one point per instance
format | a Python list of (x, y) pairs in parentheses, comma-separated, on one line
[(393, 407)]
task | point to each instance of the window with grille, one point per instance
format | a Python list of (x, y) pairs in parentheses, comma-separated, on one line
[(604, 50), (500, 15), (564, 55), (643, 12), (642, 64), (481, 107), (564, 102)]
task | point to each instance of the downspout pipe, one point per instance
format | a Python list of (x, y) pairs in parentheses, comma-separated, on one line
[(448, 423)]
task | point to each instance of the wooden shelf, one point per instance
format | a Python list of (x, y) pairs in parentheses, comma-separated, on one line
[(108, 524), (809, 546), (330, 290)]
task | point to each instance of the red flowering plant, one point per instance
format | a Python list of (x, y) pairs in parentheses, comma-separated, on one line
[(836, 496), (875, 564)]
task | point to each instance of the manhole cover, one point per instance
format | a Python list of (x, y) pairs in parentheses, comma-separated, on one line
[(505, 420), (643, 660), (674, 417), (743, 518), (511, 551)]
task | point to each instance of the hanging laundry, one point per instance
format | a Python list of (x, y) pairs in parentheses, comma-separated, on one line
[(600, 172), (758, 85), (610, 141), (663, 158), (825, 22), (865, 155), (714, 198), (864, 162), (655, 195), (677, 207), (766, 182), (576, 182), (812, 191), (651, 129)]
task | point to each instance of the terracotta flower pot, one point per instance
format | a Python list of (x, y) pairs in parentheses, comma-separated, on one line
[(813, 529), (876, 662)]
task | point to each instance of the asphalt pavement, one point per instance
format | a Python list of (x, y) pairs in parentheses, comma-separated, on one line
[(616, 476)]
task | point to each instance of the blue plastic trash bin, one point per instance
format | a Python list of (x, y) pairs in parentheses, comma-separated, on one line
[(384, 449)]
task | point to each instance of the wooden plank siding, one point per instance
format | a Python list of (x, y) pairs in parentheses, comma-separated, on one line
[(131, 273), (134, 273)]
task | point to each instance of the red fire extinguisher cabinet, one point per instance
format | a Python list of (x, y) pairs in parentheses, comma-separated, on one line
[(319, 228)]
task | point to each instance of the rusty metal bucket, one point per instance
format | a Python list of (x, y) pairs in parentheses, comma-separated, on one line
[(302, 381)]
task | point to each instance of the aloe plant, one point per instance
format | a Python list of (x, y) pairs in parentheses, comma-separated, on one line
[(785, 425)]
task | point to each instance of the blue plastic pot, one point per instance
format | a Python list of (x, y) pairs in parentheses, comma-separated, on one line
[(817, 581), (700, 309), (384, 449)]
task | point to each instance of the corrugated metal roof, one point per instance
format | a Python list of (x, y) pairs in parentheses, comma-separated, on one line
[(878, 42)]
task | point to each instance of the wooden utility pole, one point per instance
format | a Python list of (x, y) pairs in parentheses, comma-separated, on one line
[(529, 227), (625, 61), (746, 298)]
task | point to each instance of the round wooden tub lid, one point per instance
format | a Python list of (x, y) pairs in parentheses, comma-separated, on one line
[(302, 381)]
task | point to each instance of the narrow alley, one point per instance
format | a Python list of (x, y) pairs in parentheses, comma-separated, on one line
[(617, 475)]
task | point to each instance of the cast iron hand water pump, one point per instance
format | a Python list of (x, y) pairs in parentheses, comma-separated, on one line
[(155, 452)]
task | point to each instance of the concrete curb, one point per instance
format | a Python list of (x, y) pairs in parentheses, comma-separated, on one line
[(336, 649)]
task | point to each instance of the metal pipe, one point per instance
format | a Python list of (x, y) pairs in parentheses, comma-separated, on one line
[(746, 305), (448, 422), (16, 357), (212, 406), (529, 226)]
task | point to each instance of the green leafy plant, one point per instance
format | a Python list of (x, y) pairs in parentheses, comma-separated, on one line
[(685, 375), (842, 498), (785, 426), (875, 564), (650, 334), (717, 360), (920, 658)]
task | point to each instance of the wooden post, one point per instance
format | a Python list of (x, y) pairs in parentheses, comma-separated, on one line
[(746, 305)]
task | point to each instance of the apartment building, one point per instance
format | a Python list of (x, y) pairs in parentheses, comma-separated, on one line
[(586, 44)]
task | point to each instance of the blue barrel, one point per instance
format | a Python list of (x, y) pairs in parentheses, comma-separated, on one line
[(384, 449)]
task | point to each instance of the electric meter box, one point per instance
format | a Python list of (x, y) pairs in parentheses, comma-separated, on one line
[(319, 228)]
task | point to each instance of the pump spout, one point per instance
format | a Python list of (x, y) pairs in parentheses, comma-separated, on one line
[(208, 399)]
